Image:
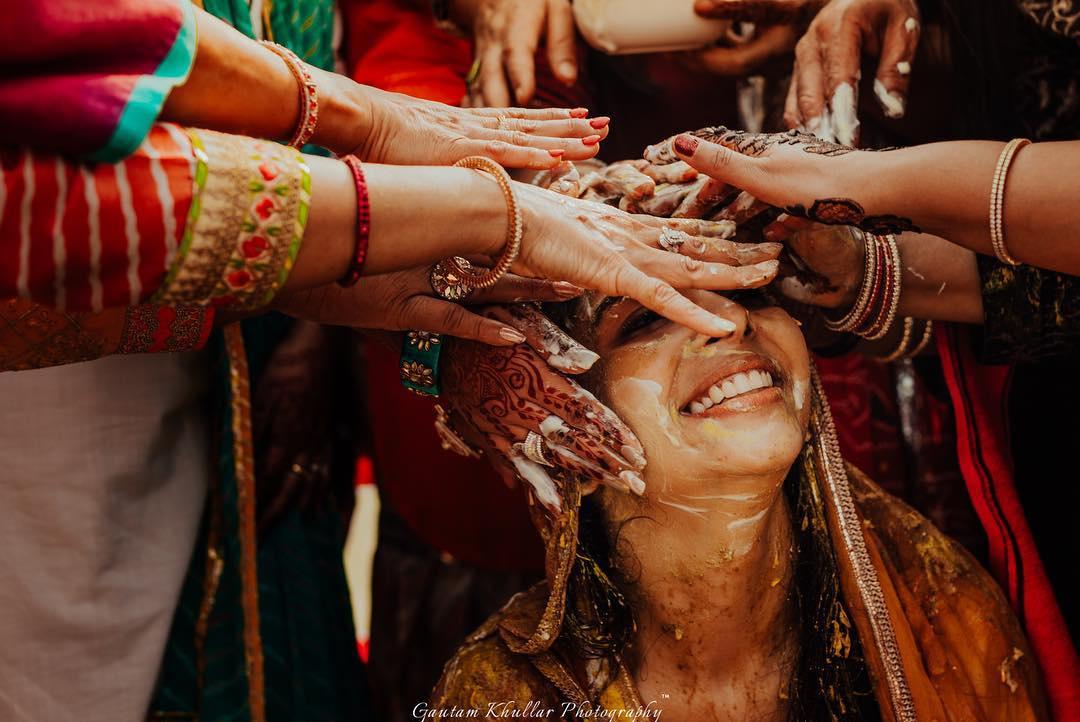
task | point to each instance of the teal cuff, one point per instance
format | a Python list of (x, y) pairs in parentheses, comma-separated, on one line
[(420, 362)]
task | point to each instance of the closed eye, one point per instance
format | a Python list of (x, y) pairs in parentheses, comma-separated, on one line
[(638, 322)]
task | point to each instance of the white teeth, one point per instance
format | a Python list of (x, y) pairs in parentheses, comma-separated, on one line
[(742, 383), (730, 387), (715, 394)]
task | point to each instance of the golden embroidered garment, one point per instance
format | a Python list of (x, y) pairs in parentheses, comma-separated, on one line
[(938, 637)]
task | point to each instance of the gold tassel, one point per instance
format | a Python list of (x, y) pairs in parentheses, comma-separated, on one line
[(244, 469)]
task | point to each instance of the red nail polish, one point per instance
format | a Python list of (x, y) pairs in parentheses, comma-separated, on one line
[(590, 140), (556, 152), (686, 144), (579, 112), (600, 122)]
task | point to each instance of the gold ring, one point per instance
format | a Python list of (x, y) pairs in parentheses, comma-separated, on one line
[(474, 72), (534, 448)]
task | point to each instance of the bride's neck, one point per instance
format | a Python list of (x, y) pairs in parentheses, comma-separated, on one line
[(710, 578)]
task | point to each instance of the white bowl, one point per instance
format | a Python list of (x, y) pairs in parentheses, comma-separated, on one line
[(622, 27)]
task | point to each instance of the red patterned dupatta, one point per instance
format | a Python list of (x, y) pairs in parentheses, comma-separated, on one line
[(89, 78), (979, 393)]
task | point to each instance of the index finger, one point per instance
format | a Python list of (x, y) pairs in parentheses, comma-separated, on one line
[(894, 69), (661, 297)]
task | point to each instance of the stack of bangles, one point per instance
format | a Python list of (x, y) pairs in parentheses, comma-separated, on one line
[(874, 311), (453, 279)]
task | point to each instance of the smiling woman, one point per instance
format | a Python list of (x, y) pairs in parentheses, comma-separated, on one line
[(756, 576)]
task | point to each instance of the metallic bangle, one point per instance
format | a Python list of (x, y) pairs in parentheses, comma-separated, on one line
[(905, 339), (890, 296), (928, 334), (420, 362), (997, 200), (309, 95), (850, 320), (471, 279)]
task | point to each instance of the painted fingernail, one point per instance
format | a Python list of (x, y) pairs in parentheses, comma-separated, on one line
[(590, 140), (556, 152), (686, 144), (579, 113), (567, 290), (601, 122), (634, 456), (635, 482), (511, 334)]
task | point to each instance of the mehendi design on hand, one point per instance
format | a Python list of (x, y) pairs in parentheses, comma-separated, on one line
[(847, 212), (755, 144)]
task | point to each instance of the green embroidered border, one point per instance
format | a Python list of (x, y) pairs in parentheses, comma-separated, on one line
[(420, 362), (202, 170)]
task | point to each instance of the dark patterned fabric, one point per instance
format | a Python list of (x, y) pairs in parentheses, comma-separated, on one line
[(1032, 313)]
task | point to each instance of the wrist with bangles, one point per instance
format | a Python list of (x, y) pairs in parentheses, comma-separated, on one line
[(454, 278), (874, 310), (308, 121)]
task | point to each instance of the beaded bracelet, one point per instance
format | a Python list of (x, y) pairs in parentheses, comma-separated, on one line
[(850, 320), (997, 200), (309, 95), (363, 223), (890, 300), (928, 334), (905, 339)]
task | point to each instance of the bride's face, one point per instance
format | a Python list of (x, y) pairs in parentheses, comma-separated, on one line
[(705, 409)]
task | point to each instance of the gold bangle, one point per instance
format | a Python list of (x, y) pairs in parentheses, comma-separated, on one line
[(928, 333), (905, 339), (309, 94), (997, 200), (472, 280), (850, 320)]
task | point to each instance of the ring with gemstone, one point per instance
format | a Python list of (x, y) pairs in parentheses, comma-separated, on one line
[(672, 239), (451, 278), (449, 439), (420, 362)]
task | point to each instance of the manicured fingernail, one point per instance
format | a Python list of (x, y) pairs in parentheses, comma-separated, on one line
[(556, 152), (567, 71), (634, 456), (723, 327), (601, 122), (567, 290), (635, 482), (579, 113), (686, 144), (511, 334), (590, 140)]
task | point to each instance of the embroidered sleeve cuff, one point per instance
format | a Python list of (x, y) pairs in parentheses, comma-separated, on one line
[(245, 223)]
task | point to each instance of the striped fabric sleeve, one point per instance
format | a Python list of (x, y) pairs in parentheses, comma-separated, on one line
[(192, 217), (35, 336)]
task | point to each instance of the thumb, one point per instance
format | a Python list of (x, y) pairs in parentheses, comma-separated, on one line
[(713, 159)]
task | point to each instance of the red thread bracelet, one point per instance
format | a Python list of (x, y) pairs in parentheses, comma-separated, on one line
[(363, 223)]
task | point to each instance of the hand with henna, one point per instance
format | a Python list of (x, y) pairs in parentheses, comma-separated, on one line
[(807, 177), (498, 395)]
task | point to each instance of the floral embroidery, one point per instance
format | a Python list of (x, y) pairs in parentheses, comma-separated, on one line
[(424, 340), (246, 222)]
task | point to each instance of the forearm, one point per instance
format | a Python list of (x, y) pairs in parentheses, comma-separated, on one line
[(238, 86), (940, 280), (944, 188)]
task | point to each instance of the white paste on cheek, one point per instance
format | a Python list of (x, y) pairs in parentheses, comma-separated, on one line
[(911, 25), (845, 120), (798, 389), (644, 392), (696, 511), (903, 67)]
